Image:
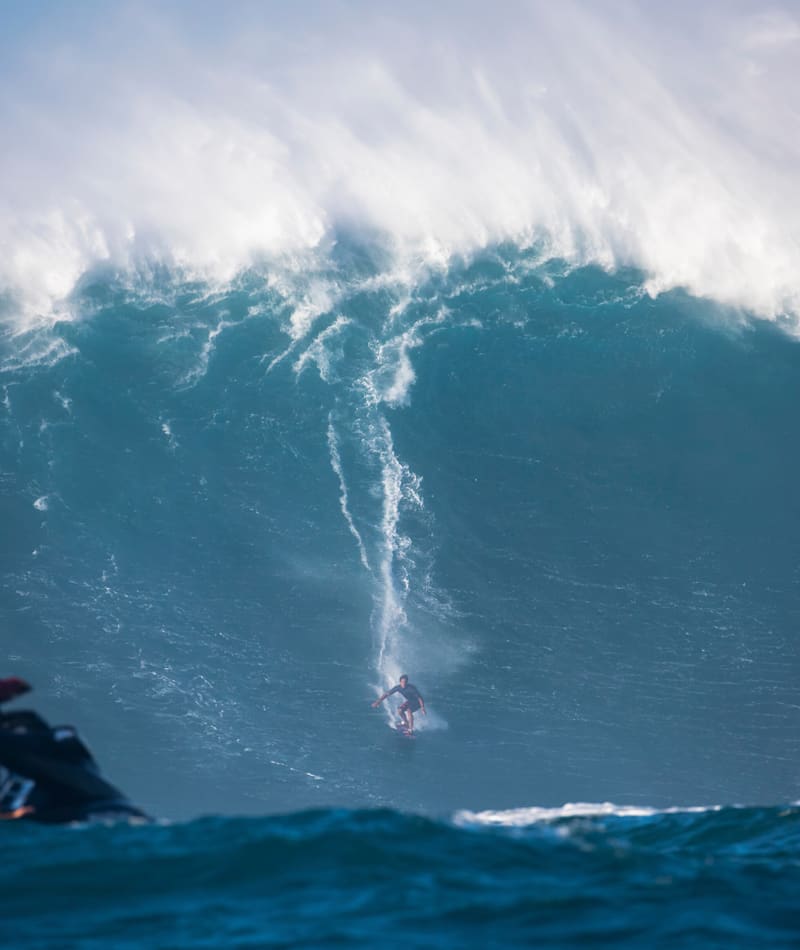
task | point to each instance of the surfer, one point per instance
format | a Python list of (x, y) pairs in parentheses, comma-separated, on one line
[(413, 701)]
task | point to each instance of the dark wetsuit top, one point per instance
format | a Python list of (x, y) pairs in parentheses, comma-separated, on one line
[(410, 693)]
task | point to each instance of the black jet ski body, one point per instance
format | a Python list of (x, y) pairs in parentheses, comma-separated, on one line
[(47, 774)]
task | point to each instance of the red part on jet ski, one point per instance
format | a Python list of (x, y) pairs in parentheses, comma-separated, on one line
[(11, 687)]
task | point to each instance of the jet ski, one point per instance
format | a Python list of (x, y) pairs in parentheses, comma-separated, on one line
[(47, 774)]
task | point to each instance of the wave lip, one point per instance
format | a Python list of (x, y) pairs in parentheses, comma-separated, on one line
[(617, 139)]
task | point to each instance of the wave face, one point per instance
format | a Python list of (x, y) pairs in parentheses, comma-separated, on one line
[(704, 879), (568, 510)]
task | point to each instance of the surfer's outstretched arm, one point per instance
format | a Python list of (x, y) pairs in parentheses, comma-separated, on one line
[(385, 696)]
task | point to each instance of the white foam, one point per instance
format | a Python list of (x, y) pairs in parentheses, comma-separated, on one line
[(169, 435), (291, 768), (431, 721), (664, 136), (199, 371), (36, 350), (336, 464), (391, 614), (318, 351), (394, 375), (64, 401), (524, 817)]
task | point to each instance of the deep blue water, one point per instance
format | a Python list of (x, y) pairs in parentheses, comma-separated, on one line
[(569, 511), (337, 878)]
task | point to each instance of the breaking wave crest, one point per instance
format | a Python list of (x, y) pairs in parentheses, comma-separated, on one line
[(632, 136)]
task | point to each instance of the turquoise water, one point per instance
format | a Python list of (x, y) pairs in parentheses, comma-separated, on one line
[(565, 508)]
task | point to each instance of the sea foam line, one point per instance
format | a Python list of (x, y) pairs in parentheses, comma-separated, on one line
[(336, 464), (523, 817)]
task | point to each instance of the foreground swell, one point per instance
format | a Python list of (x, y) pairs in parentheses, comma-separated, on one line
[(688, 878)]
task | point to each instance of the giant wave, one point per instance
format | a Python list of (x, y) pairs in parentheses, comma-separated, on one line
[(563, 507), (345, 341)]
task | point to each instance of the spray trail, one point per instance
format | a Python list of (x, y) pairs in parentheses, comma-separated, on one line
[(336, 464)]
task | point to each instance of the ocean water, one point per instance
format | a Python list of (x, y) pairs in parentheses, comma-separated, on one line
[(568, 510), (340, 345), (569, 878)]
